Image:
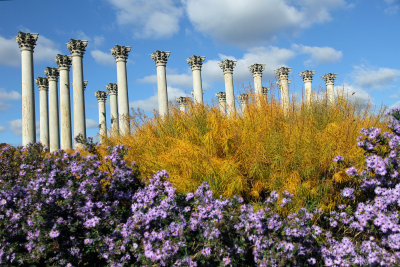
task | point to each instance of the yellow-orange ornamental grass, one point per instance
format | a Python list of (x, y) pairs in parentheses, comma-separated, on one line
[(254, 153)]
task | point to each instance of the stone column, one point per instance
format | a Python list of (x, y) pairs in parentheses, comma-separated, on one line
[(283, 83), (222, 102), (113, 91), (195, 63), (243, 101), (26, 43), (43, 85), (227, 67), (182, 102), (101, 99), (307, 78), (265, 93), (330, 85), (64, 64), (161, 58), (121, 56), (77, 49), (54, 139), (256, 70)]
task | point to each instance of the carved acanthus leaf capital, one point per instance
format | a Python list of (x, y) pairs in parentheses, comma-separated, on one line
[(27, 41), (265, 90), (307, 75), (160, 57), (243, 98), (329, 78), (63, 61), (77, 47), (101, 95), (283, 73), (120, 52), (195, 62), (51, 73), (227, 65), (182, 100), (221, 96), (112, 88), (257, 69), (42, 83)]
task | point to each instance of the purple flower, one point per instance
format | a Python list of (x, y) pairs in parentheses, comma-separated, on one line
[(347, 192), (54, 233), (338, 158), (88, 241)]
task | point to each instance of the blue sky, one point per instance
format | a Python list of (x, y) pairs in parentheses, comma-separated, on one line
[(358, 40)]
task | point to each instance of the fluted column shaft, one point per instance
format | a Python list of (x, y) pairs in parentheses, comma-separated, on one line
[(307, 78), (256, 70), (43, 85), (113, 91), (77, 49), (160, 58), (121, 56), (54, 134), (27, 42), (64, 63)]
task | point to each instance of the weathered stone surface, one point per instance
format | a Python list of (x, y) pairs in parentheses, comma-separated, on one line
[(307, 76), (330, 86), (43, 85), (283, 75), (113, 91), (160, 59), (195, 63), (101, 99), (54, 125), (227, 67)]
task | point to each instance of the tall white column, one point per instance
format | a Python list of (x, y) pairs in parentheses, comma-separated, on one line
[(283, 74), (264, 91), (330, 85), (256, 70), (307, 76), (64, 64), (227, 67), (222, 102), (27, 42), (101, 99), (54, 126), (43, 85), (182, 102), (161, 58), (77, 49), (195, 63), (121, 56), (243, 102), (113, 91)]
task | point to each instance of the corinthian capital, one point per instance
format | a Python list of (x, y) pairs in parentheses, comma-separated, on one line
[(182, 100), (243, 98), (42, 83), (257, 69), (27, 41), (51, 73), (101, 95), (265, 90), (77, 47), (120, 52), (283, 73), (329, 78), (195, 62), (112, 88), (221, 96), (160, 57), (63, 61), (227, 65), (307, 75)]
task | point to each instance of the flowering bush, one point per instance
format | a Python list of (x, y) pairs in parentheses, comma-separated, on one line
[(69, 210)]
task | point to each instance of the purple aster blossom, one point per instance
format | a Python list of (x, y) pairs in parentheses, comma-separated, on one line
[(88, 241), (347, 192), (338, 158), (351, 171), (54, 233)]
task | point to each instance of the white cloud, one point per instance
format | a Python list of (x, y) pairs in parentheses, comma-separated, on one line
[(2, 129), (150, 18), (16, 127), (393, 7), (354, 93), (12, 95), (10, 54), (151, 103), (92, 124), (181, 80), (375, 77), (318, 54), (103, 58), (255, 22)]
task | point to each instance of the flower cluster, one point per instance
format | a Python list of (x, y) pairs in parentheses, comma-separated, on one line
[(63, 209)]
